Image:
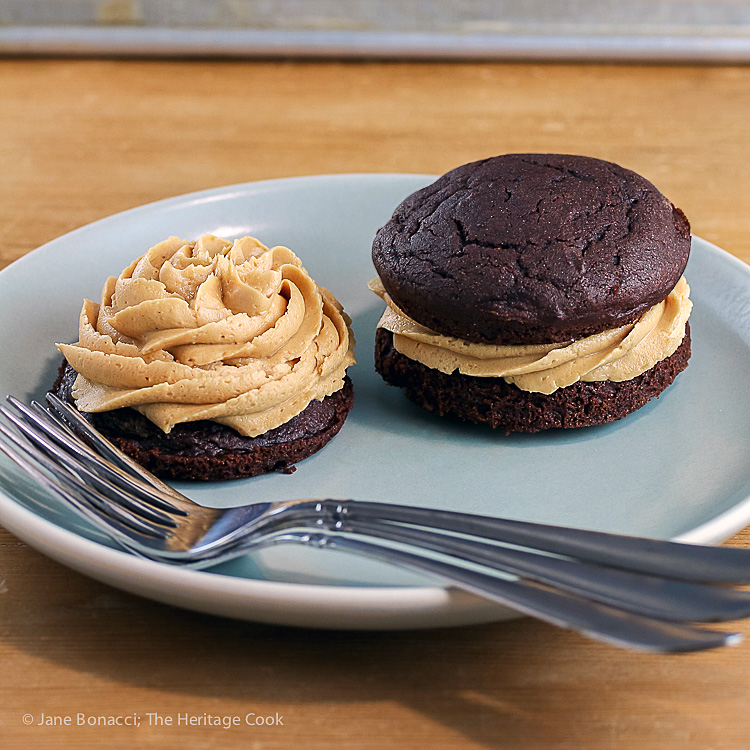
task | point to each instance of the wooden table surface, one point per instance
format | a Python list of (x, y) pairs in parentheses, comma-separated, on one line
[(83, 139)]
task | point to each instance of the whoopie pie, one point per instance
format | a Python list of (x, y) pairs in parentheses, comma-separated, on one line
[(533, 291)]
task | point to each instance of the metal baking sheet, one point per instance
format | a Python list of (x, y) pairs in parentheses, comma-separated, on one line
[(668, 30)]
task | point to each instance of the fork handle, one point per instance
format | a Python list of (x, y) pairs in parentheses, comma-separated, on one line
[(656, 597), (592, 619), (686, 562)]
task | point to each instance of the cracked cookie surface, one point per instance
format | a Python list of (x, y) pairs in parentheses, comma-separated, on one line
[(532, 248)]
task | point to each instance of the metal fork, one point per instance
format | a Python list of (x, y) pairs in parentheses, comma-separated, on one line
[(628, 591)]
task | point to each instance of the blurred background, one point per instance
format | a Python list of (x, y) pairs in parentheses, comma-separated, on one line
[(664, 30)]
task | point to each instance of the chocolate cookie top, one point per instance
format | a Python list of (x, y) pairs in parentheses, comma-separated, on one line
[(532, 248)]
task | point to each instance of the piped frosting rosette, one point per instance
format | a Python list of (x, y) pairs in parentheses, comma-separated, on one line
[(233, 332)]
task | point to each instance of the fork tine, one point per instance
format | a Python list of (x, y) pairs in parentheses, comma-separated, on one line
[(69, 441), (93, 507), (73, 465), (106, 449), (53, 426)]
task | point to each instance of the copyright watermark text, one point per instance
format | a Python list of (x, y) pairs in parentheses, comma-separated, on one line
[(155, 719)]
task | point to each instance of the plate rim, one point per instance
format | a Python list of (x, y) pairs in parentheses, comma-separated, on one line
[(61, 544)]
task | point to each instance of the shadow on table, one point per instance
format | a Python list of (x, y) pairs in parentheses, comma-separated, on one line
[(512, 684)]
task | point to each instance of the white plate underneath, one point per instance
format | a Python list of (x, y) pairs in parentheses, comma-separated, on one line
[(677, 468)]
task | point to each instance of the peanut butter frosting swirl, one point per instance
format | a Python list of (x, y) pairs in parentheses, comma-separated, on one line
[(617, 354), (233, 332)]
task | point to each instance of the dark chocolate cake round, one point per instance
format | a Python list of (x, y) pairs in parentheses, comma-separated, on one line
[(210, 451)]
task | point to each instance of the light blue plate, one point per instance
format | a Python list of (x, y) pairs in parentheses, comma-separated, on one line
[(679, 467)]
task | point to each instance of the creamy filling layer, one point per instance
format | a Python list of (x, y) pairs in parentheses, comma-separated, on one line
[(234, 332), (617, 354)]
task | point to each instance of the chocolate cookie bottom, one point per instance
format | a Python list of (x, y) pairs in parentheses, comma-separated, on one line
[(502, 405), (210, 451)]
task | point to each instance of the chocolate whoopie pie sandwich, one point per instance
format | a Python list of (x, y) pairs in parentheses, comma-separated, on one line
[(532, 291), (212, 360)]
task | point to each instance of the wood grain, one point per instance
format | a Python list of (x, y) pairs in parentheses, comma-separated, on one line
[(84, 139)]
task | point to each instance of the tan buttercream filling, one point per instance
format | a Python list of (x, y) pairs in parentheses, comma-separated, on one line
[(234, 332), (617, 354)]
